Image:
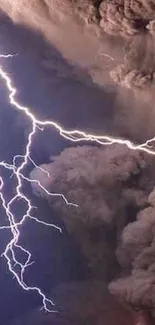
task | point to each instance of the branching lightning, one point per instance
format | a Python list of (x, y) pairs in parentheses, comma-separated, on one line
[(16, 267)]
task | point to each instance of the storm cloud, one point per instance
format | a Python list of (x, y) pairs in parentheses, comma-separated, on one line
[(108, 184), (134, 21), (136, 255), (126, 17), (63, 22), (54, 19), (131, 21), (114, 221), (80, 302)]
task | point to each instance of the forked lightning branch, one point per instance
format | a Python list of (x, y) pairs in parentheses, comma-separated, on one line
[(12, 224)]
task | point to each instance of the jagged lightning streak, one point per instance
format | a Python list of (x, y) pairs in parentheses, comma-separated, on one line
[(10, 252)]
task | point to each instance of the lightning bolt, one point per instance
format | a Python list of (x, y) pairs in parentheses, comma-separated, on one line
[(15, 265)]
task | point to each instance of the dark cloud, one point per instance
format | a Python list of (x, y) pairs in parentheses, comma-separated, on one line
[(63, 22), (90, 20), (126, 17), (134, 21), (138, 70), (133, 78), (57, 21), (110, 184), (123, 17), (107, 184), (136, 255), (117, 110), (82, 303), (93, 170)]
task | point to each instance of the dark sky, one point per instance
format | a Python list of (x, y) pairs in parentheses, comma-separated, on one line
[(63, 75), (66, 94)]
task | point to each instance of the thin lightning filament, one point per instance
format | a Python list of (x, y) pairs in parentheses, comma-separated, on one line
[(13, 261)]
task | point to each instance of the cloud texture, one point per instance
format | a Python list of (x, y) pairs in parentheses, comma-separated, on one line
[(109, 185), (79, 303), (136, 255), (133, 20)]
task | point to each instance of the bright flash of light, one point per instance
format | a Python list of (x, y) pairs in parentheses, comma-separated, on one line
[(15, 265)]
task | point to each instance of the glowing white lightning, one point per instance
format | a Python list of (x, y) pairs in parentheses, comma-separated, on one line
[(13, 246)]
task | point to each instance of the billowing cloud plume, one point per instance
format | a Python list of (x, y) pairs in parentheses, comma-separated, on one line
[(134, 20), (138, 70), (93, 170), (133, 78), (122, 17), (58, 21), (107, 184), (61, 22), (136, 255), (126, 17)]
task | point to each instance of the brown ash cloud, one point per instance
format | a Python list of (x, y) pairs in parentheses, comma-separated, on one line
[(81, 302), (114, 223), (112, 186), (136, 255), (108, 184), (126, 17), (132, 20)]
